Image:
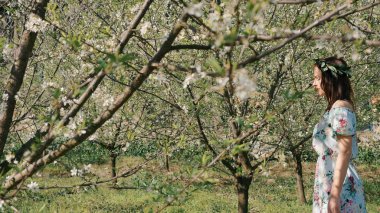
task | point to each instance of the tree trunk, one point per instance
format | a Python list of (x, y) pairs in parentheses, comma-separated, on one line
[(300, 186), (15, 80), (242, 185), (113, 168), (167, 163)]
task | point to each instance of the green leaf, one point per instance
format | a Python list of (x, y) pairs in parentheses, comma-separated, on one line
[(112, 57), (240, 121), (125, 58), (102, 63), (214, 65), (240, 148), (205, 159), (56, 93)]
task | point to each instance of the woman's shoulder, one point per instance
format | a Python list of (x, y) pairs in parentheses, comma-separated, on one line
[(342, 104)]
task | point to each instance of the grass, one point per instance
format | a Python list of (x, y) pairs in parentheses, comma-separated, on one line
[(267, 194)]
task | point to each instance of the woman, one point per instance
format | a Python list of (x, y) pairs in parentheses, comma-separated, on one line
[(337, 186)]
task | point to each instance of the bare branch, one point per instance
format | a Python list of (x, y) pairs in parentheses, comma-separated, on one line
[(128, 33), (293, 37), (295, 1), (191, 47)]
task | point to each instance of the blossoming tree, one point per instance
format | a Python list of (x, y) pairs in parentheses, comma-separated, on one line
[(61, 56)]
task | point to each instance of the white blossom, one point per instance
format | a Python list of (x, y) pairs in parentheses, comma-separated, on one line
[(76, 172), (9, 157), (227, 19), (213, 17), (108, 102), (93, 137), (355, 56), (87, 168), (36, 24), (195, 10), (62, 111), (265, 173), (8, 52), (160, 77), (190, 78), (135, 8), (66, 101), (5, 97), (87, 67), (2, 202), (185, 109), (144, 27), (49, 84), (244, 86), (125, 147), (17, 98), (72, 125), (220, 83), (33, 186)]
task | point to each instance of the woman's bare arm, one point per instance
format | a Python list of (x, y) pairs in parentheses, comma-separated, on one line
[(341, 165)]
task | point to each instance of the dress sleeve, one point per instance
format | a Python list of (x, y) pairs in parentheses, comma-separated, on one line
[(343, 121)]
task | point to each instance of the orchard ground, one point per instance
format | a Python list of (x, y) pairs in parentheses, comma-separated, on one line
[(150, 189)]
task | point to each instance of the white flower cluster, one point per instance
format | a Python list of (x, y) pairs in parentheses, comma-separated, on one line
[(2, 203), (144, 27), (76, 172), (160, 77), (104, 97), (244, 86), (5, 97), (36, 24), (8, 53), (219, 23), (220, 84), (108, 102), (33, 186), (72, 126), (49, 84), (191, 78), (195, 10), (10, 157), (125, 148), (135, 8), (80, 172), (66, 101)]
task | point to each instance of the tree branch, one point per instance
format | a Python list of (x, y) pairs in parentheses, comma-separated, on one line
[(293, 37), (14, 82), (295, 1), (191, 47), (104, 116)]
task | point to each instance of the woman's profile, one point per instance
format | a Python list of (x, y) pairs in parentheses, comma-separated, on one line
[(337, 186)]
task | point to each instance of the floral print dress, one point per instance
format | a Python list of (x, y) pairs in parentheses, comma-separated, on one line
[(337, 121)]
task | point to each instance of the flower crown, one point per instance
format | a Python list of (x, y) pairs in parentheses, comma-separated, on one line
[(335, 70)]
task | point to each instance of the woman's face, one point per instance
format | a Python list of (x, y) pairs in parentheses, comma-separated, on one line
[(317, 81)]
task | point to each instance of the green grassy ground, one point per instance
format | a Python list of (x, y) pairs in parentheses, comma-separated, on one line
[(276, 193)]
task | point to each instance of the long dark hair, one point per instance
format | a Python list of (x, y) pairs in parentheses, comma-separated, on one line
[(337, 86)]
